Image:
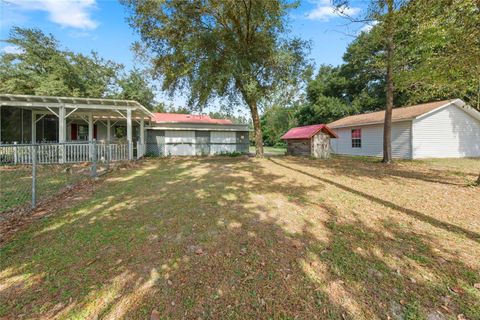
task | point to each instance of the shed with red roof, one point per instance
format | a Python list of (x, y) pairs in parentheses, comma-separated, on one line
[(311, 140)]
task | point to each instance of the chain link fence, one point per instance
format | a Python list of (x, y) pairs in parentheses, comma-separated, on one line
[(33, 173), (194, 149)]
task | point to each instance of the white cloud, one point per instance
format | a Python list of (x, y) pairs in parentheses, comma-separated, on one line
[(12, 49), (367, 27), (67, 13), (324, 11)]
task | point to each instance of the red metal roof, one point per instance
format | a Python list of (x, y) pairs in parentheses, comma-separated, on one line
[(189, 118), (307, 132)]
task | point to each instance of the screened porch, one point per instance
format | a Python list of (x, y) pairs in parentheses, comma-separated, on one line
[(66, 127)]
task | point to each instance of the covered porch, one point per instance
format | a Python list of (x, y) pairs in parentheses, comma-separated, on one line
[(26, 119)]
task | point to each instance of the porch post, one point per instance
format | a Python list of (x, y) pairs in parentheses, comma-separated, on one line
[(108, 130), (34, 127), (142, 131), (62, 133), (90, 127), (129, 134)]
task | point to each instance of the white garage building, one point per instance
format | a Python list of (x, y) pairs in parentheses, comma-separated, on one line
[(190, 135), (442, 129)]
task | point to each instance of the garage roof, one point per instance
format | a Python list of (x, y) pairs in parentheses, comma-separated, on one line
[(399, 114), (187, 118)]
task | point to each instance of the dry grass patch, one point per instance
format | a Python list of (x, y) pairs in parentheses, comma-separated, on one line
[(239, 238)]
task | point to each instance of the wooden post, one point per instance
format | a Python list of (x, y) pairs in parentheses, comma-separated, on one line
[(15, 152), (108, 130), (62, 133), (141, 145), (90, 127), (129, 134), (90, 137), (34, 127), (33, 152), (142, 131)]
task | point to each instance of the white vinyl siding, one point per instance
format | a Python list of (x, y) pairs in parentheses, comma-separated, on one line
[(180, 143), (446, 133), (222, 142), (372, 140)]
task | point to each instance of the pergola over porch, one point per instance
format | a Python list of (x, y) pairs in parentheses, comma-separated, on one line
[(90, 110)]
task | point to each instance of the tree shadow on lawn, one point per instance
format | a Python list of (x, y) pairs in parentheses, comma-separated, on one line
[(218, 239), (372, 167), (416, 214)]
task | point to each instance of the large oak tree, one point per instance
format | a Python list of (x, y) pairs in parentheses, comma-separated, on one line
[(212, 49)]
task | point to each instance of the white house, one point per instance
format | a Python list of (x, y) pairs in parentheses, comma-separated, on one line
[(72, 122), (442, 129)]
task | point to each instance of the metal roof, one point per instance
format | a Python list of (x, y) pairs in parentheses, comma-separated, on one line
[(306, 132), (187, 118), (92, 104)]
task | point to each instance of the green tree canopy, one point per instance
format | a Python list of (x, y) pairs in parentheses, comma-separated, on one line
[(40, 67), (216, 48), (327, 98), (442, 51), (436, 57), (134, 86), (276, 121)]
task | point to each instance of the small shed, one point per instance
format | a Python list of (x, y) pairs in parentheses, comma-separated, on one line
[(311, 140)]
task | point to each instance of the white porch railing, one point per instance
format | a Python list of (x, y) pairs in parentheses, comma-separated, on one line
[(63, 153), (112, 152)]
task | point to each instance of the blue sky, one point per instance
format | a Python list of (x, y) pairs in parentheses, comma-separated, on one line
[(100, 25)]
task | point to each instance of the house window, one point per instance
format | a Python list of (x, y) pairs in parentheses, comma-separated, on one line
[(82, 133), (356, 138)]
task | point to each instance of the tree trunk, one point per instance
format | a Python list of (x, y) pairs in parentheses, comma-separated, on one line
[(252, 104), (387, 128), (258, 130), (478, 180)]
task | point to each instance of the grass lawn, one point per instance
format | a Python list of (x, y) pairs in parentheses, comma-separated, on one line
[(271, 150), (16, 182), (245, 238)]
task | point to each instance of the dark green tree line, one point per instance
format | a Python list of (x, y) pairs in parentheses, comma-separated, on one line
[(39, 66)]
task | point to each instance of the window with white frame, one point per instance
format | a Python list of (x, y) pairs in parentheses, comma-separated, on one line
[(356, 138)]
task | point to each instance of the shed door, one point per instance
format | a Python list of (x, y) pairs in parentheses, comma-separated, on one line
[(180, 143), (202, 146), (223, 141)]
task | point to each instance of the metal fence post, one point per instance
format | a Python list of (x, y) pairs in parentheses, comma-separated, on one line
[(34, 175), (94, 158)]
